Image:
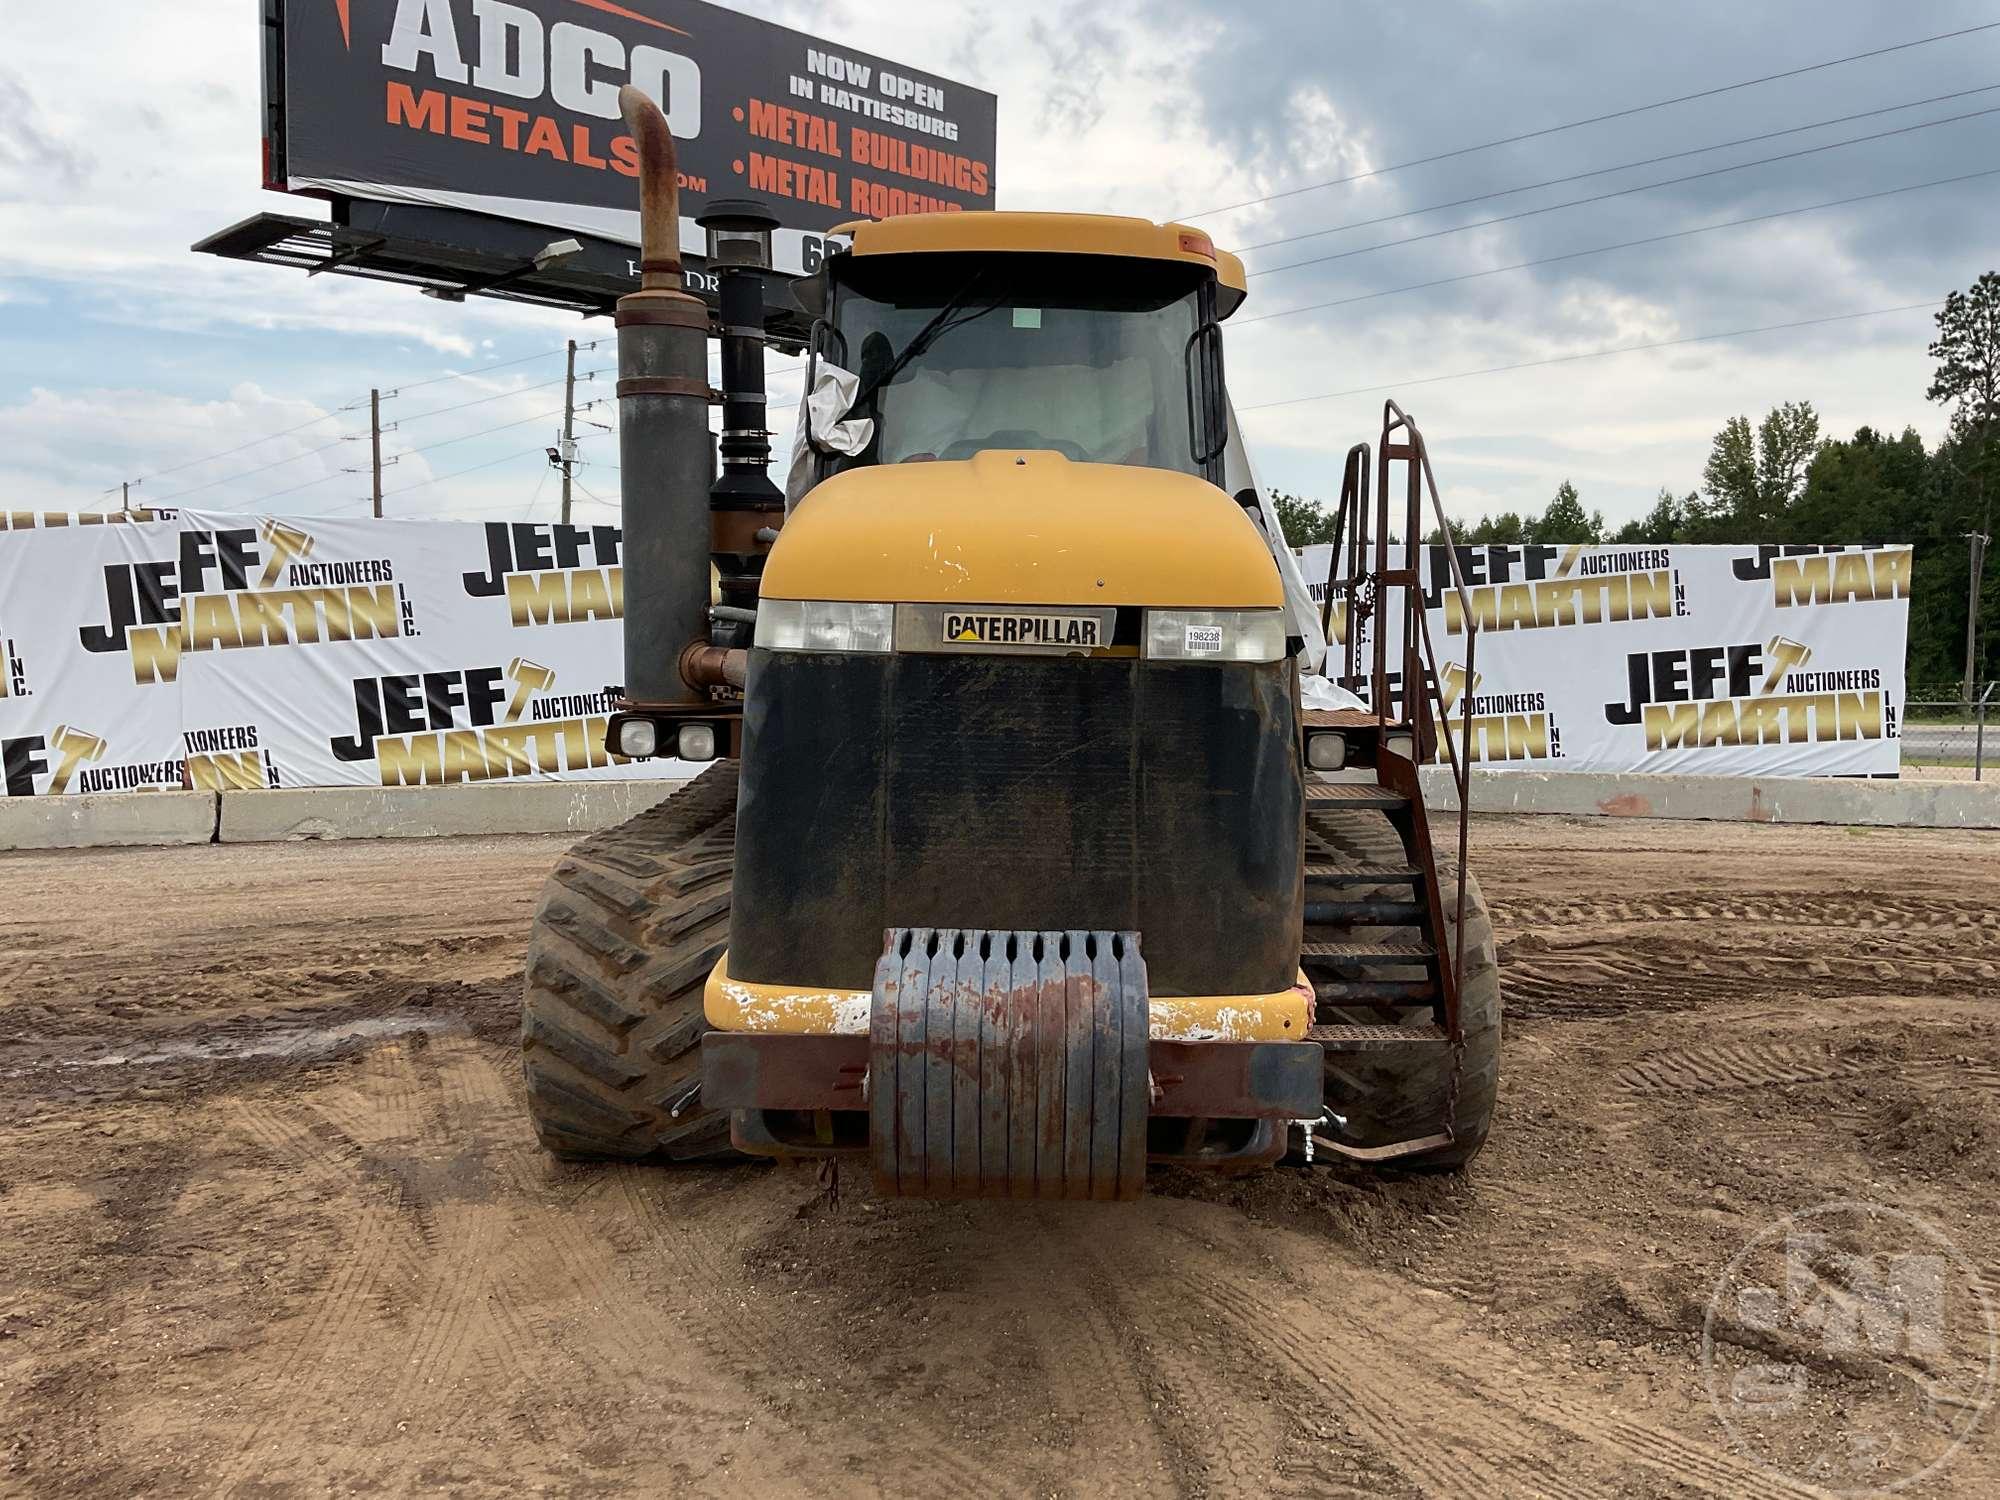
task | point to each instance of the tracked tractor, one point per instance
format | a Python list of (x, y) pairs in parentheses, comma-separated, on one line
[(1030, 851)]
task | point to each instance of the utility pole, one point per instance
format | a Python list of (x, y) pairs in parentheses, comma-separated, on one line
[(569, 428), (375, 446), (1976, 541), (126, 490)]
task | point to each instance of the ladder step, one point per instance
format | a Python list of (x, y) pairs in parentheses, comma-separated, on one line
[(1362, 794), (1390, 950), (1362, 913), (1320, 872), (1377, 1038), (1375, 991)]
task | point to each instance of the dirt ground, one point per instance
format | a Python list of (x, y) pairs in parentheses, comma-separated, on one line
[(273, 1222)]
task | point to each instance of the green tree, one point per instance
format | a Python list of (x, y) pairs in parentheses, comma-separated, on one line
[(1752, 479), (1306, 523), (1660, 525), (1565, 522), (1967, 351)]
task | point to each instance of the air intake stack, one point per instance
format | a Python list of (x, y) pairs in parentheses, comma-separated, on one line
[(663, 441)]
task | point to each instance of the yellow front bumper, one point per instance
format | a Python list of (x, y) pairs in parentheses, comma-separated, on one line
[(806, 1010)]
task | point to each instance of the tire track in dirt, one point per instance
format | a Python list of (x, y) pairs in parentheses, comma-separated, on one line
[(1477, 1438), (1073, 1319), (1740, 1065), (747, 1341), (379, 1244)]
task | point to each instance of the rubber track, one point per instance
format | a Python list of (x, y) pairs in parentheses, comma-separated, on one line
[(629, 926)]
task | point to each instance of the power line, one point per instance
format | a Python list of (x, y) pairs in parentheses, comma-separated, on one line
[(1563, 359), (355, 405), (1617, 114), (490, 463), (245, 474), (1642, 187), (483, 369), (1650, 161), (267, 437), (1651, 239), (438, 411)]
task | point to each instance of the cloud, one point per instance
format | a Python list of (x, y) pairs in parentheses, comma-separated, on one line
[(31, 150), (127, 354)]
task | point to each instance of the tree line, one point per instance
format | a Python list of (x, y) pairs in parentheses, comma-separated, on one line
[(1783, 481)]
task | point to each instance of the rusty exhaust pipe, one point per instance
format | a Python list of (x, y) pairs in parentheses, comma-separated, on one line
[(663, 439)]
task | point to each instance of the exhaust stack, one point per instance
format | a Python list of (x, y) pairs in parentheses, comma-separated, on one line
[(663, 439)]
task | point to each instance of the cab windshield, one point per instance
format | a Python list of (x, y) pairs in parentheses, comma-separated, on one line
[(1085, 355)]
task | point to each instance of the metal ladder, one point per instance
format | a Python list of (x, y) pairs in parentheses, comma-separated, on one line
[(1375, 924)]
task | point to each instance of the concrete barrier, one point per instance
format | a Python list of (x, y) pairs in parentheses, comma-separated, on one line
[(1742, 799), (107, 819), (363, 812), (125, 818)]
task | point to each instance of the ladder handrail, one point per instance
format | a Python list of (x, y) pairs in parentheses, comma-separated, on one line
[(1420, 652)]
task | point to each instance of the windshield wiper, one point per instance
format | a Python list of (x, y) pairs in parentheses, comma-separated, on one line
[(940, 323)]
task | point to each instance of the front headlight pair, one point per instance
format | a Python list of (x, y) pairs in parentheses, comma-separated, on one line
[(1231, 635)]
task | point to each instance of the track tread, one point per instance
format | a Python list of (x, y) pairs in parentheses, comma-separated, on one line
[(629, 926)]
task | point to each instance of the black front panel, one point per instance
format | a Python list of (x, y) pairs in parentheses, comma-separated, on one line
[(1018, 792)]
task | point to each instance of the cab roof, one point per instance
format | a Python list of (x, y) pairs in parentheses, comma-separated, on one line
[(1051, 234)]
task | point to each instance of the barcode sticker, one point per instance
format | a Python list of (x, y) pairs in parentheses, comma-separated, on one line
[(1204, 640)]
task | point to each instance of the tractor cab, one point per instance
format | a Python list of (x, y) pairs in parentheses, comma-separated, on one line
[(1092, 337)]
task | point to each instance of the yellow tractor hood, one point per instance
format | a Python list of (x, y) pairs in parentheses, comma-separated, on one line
[(1031, 527)]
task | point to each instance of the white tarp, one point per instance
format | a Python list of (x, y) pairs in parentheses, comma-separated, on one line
[(1705, 660)]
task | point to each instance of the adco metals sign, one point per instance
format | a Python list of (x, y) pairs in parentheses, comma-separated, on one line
[(510, 108)]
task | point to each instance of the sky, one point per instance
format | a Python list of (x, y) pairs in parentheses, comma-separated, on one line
[(124, 357)]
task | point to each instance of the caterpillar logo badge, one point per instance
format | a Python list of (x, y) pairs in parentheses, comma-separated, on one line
[(476, 724), (204, 599), (552, 575), (1749, 694), (1023, 628), (1539, 587), (1829, 575), (1504, 726)]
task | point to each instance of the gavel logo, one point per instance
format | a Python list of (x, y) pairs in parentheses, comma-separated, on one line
[(74, 746), (1786, 655), (530, 678), (1452, 681), (285, 543)]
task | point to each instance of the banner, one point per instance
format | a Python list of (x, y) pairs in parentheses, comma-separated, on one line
[(511, 110), (222, 651), (1712, 660), (71, 718), (242, 652)]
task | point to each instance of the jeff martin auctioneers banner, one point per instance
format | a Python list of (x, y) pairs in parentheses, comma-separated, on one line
[(222, 651), (1712, 660)]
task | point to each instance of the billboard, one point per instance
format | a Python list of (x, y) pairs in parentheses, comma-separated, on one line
[(509, 108)]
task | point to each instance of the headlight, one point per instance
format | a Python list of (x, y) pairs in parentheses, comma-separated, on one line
[(824, 625), (638, 738), (1215, 634), (1326, 751)]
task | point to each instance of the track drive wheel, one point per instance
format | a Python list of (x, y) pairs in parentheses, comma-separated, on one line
[(629, 926)]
